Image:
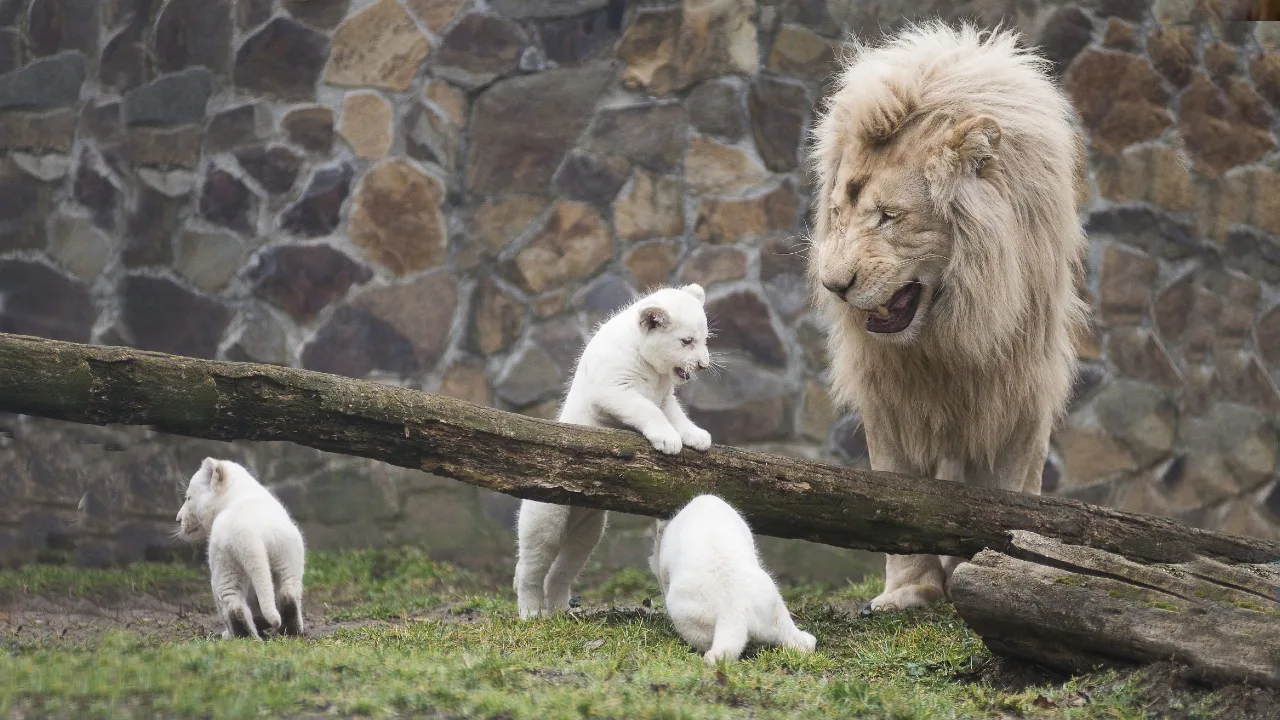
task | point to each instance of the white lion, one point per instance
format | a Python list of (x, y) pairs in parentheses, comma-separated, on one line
[(944, 256)]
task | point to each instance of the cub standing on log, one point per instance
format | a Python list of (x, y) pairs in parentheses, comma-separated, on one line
[(256, 555), (716, 593), (945, 251), (625, 378)]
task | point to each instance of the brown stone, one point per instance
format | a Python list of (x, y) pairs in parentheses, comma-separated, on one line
[(435, 14), (781, 255), (1064, 34), (1219, 130), (1151, 173), (710, 265), (712, 167), (1173, 51), (193, 33), (1142, 417), (1244, 380), (79, 246), (651, 264), (715, 108), (354, 343), (1136, 353), (225, 201), (532, 376), (1249, 443), (496, 319), (524, 126), (466, 381), (310, 128), (813, 346), (366, 124), (1267, 337), (799, 52), (429, 136), (1265, 70), (1128, 279), (262, 339), (317, 212), (449, 99), (1119, 97), (563, 341), (302, 280), (1220, 60), (652, 136), (667, 50), (1120, 35), (817, 415), (1087, 344), (778, 112), (252, 13), (233, 128), (493, 225), (649, 207), (574, 244), (1224, 203), (1090, 456), (57, 25), (162, 316), (43, 302), (24, 203), (284, 59), (149, 227), (1240, 295), (208, 260), (93, 188), (124, 62), (38, 132), (723, 220), (550, 304), (323, 14), (274, 168), (380, 46), (396, 217), (574, 39), (478, 49), (745, 403), (422, 311), (743, 323), (164, 147), (591, 177), (1266, 206)]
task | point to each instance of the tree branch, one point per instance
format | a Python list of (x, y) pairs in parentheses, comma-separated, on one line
[(572, 465)]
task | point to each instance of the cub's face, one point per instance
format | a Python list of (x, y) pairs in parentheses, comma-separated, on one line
[(673, 325), (200, 505)]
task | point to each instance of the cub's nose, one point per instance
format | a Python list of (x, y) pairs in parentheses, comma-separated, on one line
[(702, 364), (840, 290)]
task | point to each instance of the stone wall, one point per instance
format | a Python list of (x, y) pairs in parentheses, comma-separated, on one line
[(447, 194)]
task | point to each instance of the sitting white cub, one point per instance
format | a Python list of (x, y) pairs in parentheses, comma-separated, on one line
[(625, 378), (256, 555), (716, 593)]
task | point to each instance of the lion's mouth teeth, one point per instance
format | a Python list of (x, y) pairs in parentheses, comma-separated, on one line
[(682, 373), (897, 314)]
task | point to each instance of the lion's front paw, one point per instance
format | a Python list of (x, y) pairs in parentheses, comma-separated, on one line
[(696, 438), (665, 439), (905, 598)]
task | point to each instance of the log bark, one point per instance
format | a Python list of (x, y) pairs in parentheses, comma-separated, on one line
[(1073, 608), (566, 464)]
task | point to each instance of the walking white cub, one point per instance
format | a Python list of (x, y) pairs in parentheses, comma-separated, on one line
[(717, 594), (625, 378), (256, 554)]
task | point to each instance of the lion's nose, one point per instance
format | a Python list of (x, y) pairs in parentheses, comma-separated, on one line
[(840, 291)]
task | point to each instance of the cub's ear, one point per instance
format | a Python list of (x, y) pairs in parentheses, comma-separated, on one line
[(975, 142), (652, 318), (217, 474), (696, 290)]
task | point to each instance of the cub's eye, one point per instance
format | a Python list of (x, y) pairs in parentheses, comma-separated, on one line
[(686, 342)]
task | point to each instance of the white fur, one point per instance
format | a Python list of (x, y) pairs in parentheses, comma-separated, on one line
[(625, 378), (717, 594), (256, 553)]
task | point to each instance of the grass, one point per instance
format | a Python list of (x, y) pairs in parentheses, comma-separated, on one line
[(404, 636)]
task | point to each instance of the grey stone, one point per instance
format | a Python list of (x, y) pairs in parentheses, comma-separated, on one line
[(591, 177), (47, 83), (79, 246), (716, 108), (1142, 417), (262, 339), (37, 300), (478, 49), (606, 295), (538, 9), (745, 403), (532, 375), (652, 136), (563, 340), (208, 259), (176, 99), (429, 136), (779, 109), (742, 323)]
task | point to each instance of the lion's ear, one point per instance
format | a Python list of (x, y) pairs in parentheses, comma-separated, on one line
[(975, 142)]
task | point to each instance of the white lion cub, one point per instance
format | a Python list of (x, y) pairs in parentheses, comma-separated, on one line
[(256, 555), (717, 594), (625, 378)]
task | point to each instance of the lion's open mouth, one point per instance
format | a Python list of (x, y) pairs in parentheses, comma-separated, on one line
[(897, 314), (682, 373)]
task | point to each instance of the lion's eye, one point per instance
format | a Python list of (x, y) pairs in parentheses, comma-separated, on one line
[(686, 342), (887, 216), (855, 189)]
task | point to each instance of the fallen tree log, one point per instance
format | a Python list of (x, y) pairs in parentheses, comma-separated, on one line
[(1073, 608), (567, 464)]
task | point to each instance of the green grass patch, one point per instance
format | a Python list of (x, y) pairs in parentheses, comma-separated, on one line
[(607, 661)]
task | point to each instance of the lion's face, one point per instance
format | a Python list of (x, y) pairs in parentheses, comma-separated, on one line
[(885, 247)]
